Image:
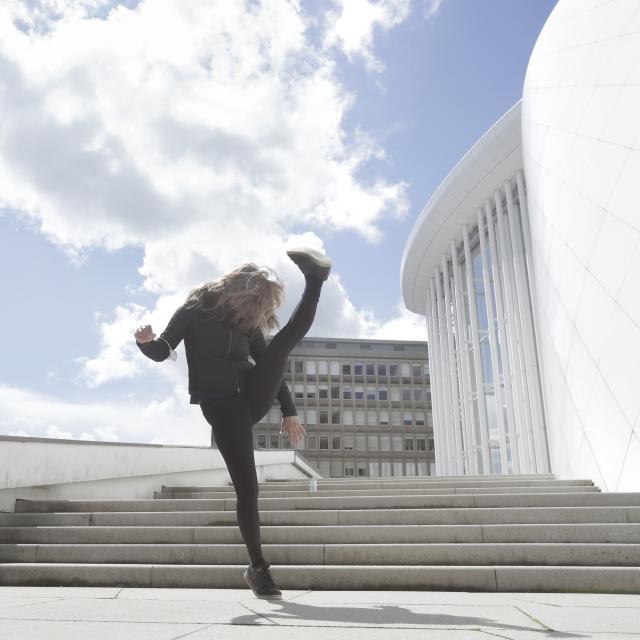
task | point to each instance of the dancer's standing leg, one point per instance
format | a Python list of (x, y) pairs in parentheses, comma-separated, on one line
[(265, 377)]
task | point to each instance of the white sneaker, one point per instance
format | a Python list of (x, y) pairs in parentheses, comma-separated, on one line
[(311, 262)]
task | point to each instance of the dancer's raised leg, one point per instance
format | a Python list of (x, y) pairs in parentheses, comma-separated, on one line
[(266, 376)]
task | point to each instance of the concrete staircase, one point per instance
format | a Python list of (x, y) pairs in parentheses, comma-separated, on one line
[(472, 533)]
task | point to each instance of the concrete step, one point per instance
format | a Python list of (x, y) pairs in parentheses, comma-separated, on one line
[(446, 516), (180, 495), (360, 534), (389, 577), (542, 554), (340, 502), (379, 484)]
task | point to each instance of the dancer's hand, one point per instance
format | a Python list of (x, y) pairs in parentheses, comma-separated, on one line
[(294, 429), (145, 334)]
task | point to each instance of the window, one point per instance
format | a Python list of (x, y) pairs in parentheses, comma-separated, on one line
[(323, 367), (395, 394), (359, 393), (288, 368), (298, 366), (346, 393), (324, 442), (374, 469), (395, 419), (385, 443), (423, 469), (383, 394), (311, 391), (383, 417), (362, 470), (312, 416), (346, 369), (405, 370), (370, 369), (408, 444), (360, 416), (336, 442), (410, 468), (398, 347), (323, 391), (385, 469), (324, 417), (347, 416), (348, 442), (357, 368), (420, 418), (335, 417), (393, 369), (312, 442), (365, 346), (372, 417), (335, 391), (324, 467), (334, 368), (417, 394), (371, 393), (407, 419), (397, 468), (274, 441), (262, 441), (431, 445), (382, 369), (417, 370), (298, 391), (397, 443), (310, 367), (361, 442), (348, 470), (336, 468), (330, 345), (372, 442), (406, 394), (421, 444)]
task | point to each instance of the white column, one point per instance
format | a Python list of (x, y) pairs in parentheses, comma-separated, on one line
[(493, 342), (446, 376), (519, 431), (434, 381), (528, 253), (504, 341), (465, 365), (456, 423), (441, 403), (482, 408), (538, 447)]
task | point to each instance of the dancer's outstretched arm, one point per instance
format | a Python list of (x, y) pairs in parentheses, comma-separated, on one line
[(160, 349)]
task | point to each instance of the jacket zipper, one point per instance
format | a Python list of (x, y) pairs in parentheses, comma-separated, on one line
[(232, 369)]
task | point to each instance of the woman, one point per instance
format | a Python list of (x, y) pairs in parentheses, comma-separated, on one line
[(222, 323)]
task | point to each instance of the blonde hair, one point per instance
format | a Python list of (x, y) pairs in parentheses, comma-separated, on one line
[(245, 296)]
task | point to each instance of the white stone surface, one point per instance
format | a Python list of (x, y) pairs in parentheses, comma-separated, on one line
[(581, 151), (169, 614)]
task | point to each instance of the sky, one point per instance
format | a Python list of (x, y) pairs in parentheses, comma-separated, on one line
[(148, 146)]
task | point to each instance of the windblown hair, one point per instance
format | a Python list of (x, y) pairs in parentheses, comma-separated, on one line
[(246, 297)]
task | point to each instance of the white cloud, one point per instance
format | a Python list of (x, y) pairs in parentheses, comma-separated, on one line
[(203, 132), (431, 8), (353, 25)]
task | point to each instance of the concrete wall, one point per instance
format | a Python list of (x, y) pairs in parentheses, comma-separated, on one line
[(581, 148), (38, 468)]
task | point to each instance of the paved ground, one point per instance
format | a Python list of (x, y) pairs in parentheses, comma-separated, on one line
[(54, 613)]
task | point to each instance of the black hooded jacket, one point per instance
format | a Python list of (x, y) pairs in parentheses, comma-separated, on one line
[(217, 355)]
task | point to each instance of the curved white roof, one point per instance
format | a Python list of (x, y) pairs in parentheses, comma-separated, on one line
[(493, 159)]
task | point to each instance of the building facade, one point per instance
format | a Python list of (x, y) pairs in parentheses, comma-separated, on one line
[(365, 405), (526, 264)]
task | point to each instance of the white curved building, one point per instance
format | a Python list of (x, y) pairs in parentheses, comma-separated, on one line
[(536, 371)]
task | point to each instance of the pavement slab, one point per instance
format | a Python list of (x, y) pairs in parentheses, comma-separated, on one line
[(70, 613)]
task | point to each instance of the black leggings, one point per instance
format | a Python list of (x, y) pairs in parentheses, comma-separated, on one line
[(232, 417)]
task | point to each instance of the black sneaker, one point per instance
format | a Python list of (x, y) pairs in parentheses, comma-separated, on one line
[(311, 262), (261, 582)]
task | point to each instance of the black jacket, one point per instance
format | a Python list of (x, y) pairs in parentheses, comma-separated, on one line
[(217, 355)]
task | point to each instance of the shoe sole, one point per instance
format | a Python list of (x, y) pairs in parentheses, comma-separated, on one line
[(315, 256), (257, 595)]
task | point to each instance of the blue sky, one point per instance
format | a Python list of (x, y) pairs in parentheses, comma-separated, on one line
[(129, 176)]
